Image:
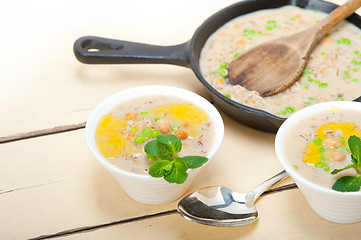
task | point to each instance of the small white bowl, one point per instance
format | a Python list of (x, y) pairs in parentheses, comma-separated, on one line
[(144, 188), (340, 207)]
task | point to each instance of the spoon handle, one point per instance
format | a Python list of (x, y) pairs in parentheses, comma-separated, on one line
[(337, 16), (267, 184)]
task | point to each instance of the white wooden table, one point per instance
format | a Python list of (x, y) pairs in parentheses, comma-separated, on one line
[(50, 184)]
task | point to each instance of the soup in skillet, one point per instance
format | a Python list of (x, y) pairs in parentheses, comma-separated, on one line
[(332, 73)]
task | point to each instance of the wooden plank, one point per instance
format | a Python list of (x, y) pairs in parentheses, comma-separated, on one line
[(42, 83), (55, 180), (284, 215)]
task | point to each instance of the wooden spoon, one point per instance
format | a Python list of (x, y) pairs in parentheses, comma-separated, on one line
[(275, 65)]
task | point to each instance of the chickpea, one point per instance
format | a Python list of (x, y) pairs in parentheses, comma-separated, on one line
[(181, 134), (163, 126), (332, 143), (337, 156)]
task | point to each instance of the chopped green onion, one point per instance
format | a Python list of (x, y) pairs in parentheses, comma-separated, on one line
[(155, 133), (320, 165), (133, 130), (304, 86), (252, 32), (235, 55), (295, 167), (307, 103), (175, 127), (346, 41), (227, 95), (354, 80), (321, 149), (282, 112), (292, 19), (290, 109), (146, 132), (139, 139), (326, 168), (311, 98), (224, 65), (317, 141), (156, 119), (339, 99), (354, 62), (346, 74), (144, 113), (322, 85), (223, 72), (323, 158)]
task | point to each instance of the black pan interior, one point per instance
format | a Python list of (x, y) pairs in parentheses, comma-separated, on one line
[(252, 117)]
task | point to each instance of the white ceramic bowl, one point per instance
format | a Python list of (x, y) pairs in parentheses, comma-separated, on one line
[(340, 207), (144, 188)]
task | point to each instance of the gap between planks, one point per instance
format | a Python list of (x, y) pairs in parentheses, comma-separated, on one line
[(43, 132), (140, 218), (66, 128)]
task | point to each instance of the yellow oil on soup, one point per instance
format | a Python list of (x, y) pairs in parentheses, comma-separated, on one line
[(343, 130), (186, 115), (110, 135), (113, 140)]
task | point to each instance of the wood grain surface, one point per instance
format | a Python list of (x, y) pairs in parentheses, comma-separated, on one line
[(51, 187)]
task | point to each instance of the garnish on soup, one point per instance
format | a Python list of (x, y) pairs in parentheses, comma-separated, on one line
[(167, 164), (350, 183), (153, 131), (336, 142)]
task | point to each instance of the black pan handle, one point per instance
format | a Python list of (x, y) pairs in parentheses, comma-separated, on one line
[(96, 50)]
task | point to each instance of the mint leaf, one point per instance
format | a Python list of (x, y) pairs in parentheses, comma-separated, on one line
[(347, 184), (172, 143), (178, 174), (172, 168), (180, 164), (355, 147), (157, 149), (335, 171), (160, 168), (195, 161)]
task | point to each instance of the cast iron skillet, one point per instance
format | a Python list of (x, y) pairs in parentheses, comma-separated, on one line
[(111, 51)]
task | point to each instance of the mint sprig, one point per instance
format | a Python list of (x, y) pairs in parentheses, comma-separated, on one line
[(350, 183), (164, 150)]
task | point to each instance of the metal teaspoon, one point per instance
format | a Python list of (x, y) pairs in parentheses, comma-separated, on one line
[(221, 207)]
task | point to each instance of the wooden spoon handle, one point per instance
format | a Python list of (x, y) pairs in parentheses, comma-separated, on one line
[(337, 16)]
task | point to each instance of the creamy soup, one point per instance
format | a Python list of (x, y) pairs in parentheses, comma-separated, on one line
[(122, 134), (318, 144), (332, 73)]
